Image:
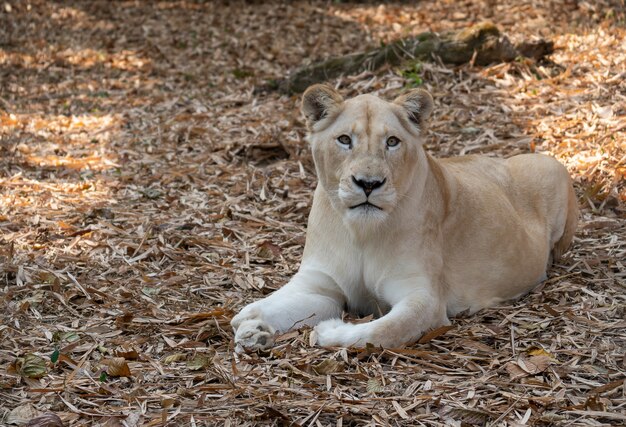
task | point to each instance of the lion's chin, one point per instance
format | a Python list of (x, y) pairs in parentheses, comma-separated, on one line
[(366, 214)]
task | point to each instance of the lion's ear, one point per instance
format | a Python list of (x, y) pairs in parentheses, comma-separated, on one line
[(419, 104), (318, 101)]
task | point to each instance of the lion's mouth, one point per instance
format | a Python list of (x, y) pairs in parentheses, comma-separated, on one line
[(366, 205)]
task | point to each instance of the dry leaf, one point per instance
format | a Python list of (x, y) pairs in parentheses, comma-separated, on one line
[(124, 319), (437, 332), (466, 415), (328, 366), (595, 403), (22, 414), (515, 372), (608, 386), (534, 364), (475, 345), (543, 400), (374, 386), (538, 351), (199, 361), (46, 420), (69, 336), (186, 392), (268, 250), (127, 354), (117, 367), (527, 365), (176, 357), (113, 422), (400, 410), (133, 419), (168, 402), (32, 366)]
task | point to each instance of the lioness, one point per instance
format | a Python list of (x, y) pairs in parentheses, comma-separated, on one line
[(396, 233)]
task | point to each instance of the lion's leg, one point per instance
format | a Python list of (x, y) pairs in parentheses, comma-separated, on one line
[(408, 319), (309, 298)]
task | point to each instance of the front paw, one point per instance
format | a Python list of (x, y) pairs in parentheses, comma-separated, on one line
[(253, 335), (249, 312), (336, 333)]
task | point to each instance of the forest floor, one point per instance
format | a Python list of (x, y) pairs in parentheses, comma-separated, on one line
[(148, 192)]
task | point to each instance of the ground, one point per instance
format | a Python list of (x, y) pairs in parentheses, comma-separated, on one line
[(149, 190)]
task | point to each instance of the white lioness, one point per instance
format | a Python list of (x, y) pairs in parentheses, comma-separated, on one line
[(395, 233)]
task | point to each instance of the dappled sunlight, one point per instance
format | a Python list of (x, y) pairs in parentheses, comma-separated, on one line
[(92, 162), (20, 191), (81, 138), (61, 170), (385, 22), (65, 14), (50, 216), (388, 21), (77, 20), (123, 60), (47, 125), (571, 107), (81, 58), (582, 114)]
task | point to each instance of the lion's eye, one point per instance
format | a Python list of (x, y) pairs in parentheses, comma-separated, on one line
[(392, 141), (345, 140)]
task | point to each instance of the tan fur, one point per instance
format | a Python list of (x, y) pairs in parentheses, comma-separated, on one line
[(563, 244), (444, 236)]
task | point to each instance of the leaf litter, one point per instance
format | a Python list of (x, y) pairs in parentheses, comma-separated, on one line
[(148, 191)]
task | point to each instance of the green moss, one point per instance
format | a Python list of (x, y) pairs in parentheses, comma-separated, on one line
[(242, 73), (413, 73)]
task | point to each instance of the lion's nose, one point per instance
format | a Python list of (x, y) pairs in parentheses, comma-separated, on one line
[(368, 185)]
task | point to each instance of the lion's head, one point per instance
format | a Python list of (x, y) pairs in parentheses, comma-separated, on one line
[(366, 150)]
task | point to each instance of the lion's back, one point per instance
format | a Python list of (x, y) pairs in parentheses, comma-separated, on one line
[(510, 215)]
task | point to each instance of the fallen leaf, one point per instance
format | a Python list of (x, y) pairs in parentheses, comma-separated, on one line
[(22, 414), (176, 357), (268, 250), (437, 332), (328, 366), (148, 291), (400, 410), (113, 422), (476, 346), (46, 420), (185, 392), (515, 372), (32, 366), (133, 419), (69, 336), (117, 367), (124, 319), (374, 386), (538, 351), (543, 400), (198, 362), (534, 364), (607, 387), (168, 402), (466, 415), (128, 354), (595, 403), (525, 366), (54, 357)]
